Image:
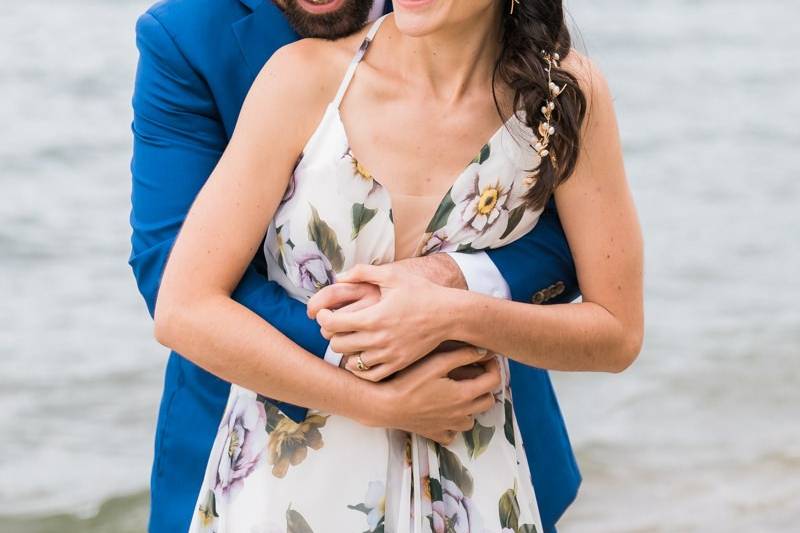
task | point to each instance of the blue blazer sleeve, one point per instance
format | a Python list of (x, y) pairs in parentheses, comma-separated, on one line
[(178, 138), (539, 267)]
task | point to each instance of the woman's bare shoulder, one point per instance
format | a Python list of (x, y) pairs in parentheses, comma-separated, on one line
[(314, 67), (590, 78), (299, 80)]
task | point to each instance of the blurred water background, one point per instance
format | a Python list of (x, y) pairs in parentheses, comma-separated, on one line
[(701, 435)]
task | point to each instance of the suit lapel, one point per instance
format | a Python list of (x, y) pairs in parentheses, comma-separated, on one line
[(261, 32)]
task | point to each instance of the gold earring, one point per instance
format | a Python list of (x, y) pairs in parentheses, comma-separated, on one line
[(512, 6)]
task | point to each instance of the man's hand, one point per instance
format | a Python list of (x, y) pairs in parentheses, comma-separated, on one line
[(408, 322), (426, 400)]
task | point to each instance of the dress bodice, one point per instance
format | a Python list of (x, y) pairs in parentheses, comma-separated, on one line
[(335, 214)]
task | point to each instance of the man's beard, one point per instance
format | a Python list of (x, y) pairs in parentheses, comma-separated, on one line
[(348, 19)]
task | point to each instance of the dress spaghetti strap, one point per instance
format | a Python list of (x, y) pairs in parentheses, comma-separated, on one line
[(359, 55)]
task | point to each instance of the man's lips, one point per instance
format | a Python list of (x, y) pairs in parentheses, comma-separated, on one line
[(320, 7)]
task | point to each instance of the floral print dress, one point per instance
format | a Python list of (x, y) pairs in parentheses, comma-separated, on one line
[(329, 474)]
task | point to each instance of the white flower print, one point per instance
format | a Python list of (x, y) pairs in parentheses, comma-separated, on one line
[(374, 506), (483, 196)]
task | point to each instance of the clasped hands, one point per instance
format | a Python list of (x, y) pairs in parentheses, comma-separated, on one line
[(400, 324)]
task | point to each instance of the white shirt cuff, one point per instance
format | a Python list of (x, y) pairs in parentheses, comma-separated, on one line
[(332, 357), (481, 274)]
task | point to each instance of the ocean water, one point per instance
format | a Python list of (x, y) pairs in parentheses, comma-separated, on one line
[(700, 435)]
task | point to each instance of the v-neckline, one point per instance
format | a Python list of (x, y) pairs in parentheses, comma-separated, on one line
[(455, 179)]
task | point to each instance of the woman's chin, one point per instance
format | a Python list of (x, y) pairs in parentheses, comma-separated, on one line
[(416, 18)]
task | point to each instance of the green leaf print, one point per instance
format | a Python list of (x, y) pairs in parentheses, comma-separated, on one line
[(483, 155), (322, 234), (436, 489), (452, 469), (360, 507), (466, 248), (274, 414), (295, 523), (439, 219), (509, 510), (361, 216), (508, 427), (514, 218), (281, 261), (508, 506), (478, 438)]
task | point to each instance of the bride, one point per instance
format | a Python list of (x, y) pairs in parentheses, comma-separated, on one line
[(446, 126)]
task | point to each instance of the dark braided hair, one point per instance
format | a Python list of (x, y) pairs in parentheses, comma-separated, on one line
[(538, 26)]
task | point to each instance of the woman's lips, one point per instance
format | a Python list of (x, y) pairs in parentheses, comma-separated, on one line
[(320, 7), (412, 4)]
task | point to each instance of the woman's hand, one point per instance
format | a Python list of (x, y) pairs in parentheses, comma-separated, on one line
[(407, 322)]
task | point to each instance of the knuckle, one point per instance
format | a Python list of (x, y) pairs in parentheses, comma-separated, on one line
[(496, 380), (488, 402), (333, 292), (324, 317), (465, 394), (372, 321), (382, 337), (335, 344), (359, 290)]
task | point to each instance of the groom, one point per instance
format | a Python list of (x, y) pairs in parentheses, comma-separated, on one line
[(197, 61)]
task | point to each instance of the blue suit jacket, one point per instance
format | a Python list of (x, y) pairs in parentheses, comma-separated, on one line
[(197, 61)]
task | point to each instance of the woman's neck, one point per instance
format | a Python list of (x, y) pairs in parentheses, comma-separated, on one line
[(452, 62)]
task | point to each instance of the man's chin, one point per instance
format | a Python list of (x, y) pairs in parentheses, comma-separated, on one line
[(327, 19)]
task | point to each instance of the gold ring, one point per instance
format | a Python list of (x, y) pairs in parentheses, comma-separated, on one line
[(360, 364)]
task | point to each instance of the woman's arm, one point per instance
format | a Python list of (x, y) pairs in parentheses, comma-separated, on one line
[(603, 332)]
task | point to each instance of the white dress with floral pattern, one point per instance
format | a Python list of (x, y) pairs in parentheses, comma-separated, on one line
[(329, 474)]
